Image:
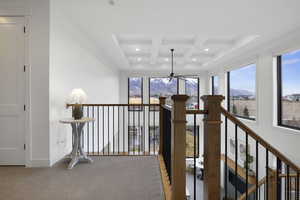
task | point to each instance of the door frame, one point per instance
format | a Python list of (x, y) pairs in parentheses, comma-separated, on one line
[(27, 64)]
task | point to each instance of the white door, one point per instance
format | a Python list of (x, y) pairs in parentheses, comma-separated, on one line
[(12, 91)]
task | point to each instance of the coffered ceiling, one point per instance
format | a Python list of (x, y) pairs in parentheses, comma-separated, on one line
[(190, 50)]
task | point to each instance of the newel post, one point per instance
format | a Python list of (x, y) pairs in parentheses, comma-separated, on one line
[(178, 147), (162, 102), (212, 147)]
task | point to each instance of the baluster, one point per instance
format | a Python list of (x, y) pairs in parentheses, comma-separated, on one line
[(103, 133), (98, 125), (236, 161), (140, 131), (123, 130), (144, 130), (134, 131), (278, 178), (113, 132), (149, 130), (267, 174), (297, 186), (118, 130), (93, 126), (128, 130), (153, 139), (108, 110), (226, 152), (88, 131), (195, 170), (288, 181), (246, 165), (256, 170)]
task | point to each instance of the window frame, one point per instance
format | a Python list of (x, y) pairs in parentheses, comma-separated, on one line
[(279, 95), (213, 85), (128, 93), (198, 89), (228, 94), (149, 93)]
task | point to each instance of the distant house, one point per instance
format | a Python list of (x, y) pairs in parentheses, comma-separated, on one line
[(243, 97), (293, 97)]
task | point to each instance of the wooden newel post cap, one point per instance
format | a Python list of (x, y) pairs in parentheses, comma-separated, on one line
[(180, 97), (162, 100), (212, 98)]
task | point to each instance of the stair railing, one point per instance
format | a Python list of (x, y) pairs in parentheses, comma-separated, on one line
[(238, 163), (276, 177)]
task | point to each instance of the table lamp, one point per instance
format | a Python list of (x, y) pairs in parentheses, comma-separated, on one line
[(77, 97)]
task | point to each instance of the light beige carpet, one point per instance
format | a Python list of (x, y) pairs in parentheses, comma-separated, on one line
[(108, 178)]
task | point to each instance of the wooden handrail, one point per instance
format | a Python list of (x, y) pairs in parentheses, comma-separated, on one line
[(199, 112), (260, 183), (167, 107), (165, 178), (285, 175), (253, 188), (259, 139)]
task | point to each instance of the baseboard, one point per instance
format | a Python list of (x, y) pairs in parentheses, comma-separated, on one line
[(38, 163), (54, 161)]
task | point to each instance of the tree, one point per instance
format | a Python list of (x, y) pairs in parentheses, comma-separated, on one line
[(234, 110), (246, 112)]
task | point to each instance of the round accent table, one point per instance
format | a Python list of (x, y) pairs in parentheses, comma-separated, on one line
[(77, 153)]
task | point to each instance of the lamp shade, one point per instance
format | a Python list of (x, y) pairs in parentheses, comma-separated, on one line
[(77, 96)]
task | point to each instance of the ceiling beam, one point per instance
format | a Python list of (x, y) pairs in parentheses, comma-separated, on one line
[(198, 44), (123, 56)]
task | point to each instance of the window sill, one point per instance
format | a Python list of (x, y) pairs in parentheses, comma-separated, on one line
[(288, 130), (248, 121)]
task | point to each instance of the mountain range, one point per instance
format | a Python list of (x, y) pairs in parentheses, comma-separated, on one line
[(239, 92), (160, 86)]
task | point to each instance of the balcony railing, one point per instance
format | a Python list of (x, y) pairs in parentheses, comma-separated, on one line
[(121, 129)]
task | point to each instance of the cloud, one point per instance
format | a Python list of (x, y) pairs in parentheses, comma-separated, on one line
[(291, 61), (293, 52)]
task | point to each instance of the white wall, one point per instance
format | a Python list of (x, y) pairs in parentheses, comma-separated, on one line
[(74, 63), (285, 140), (37, 51)]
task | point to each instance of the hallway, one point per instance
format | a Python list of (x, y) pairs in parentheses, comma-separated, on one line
[(109, 178)]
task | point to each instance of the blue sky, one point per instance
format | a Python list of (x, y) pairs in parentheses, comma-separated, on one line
[(244, 78), (291, 73), (216, 81)]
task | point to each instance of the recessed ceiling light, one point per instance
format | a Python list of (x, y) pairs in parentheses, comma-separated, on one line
[(137, 49), (111, 2), (207, 49)]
